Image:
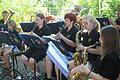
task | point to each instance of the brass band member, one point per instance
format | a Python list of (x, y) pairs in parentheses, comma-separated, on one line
[(89, 38), (12, 28), (37, 54), (67, 37), (117, 21), (109, 64), (4, 17)]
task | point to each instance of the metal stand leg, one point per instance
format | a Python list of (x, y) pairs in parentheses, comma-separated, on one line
[(59, 75), (14, 71), (34, 76)]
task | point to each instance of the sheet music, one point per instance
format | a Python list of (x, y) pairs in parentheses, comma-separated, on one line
[(50, 37), (58, 58)]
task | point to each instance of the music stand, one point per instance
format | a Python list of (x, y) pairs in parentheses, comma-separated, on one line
[(27, 26), (58, 58), (32, 41), (10, 39), (103, 21)]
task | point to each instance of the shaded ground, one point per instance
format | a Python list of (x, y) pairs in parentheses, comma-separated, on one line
[(27, 74)]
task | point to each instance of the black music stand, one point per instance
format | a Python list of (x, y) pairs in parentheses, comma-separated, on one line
[(27, 26), (10, 39), (32, 41), (103, 21)]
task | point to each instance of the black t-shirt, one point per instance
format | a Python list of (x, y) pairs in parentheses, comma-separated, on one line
[(71, 34), (117, 21), (1, 21), (109, 66), (2, 26), (89, 40), (44, 31)]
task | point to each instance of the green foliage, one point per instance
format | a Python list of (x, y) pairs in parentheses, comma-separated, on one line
[(24, 9)]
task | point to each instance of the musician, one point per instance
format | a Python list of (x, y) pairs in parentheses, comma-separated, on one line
[(67, 38), (36, 54), (5, 16), (117, 21), (88, 38), (12, 29), (109, 64)]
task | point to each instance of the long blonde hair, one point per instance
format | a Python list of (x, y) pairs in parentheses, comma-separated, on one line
[(92, 18)]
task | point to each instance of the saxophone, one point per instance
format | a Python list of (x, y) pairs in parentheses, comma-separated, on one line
[(78, 57), (83, 58)]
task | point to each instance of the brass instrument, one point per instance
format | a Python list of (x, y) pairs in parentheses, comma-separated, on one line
[(78, 58), (83, 58), (76, 55)]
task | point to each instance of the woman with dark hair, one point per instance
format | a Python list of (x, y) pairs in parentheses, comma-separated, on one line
[(36, 54), (109, 64), (67, 37)]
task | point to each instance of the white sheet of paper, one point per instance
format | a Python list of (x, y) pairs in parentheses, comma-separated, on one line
[(59, 57)]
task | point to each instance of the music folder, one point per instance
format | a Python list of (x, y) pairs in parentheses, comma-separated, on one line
[(58, 58), (10, 38)]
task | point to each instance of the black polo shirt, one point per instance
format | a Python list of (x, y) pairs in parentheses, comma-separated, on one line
[(71, 34), (5, 27), (44, 31), (89, 40), (109, 66)]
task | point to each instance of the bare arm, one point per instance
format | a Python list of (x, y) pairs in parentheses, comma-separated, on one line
[(97, 76), (66, 40), (94, 50)]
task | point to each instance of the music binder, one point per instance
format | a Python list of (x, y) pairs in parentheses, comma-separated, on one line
[(58, 58), (10, 39)]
